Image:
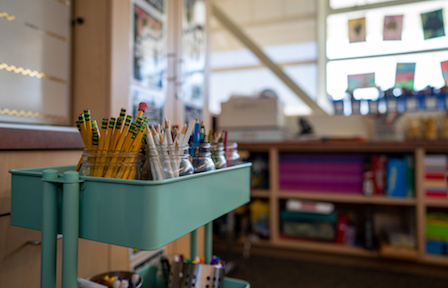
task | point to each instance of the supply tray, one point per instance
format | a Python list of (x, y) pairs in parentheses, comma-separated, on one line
[(136, 213)]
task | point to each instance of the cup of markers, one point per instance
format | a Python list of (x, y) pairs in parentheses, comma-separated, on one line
[(195, 273)]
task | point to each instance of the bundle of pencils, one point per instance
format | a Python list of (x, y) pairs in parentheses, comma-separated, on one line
[(113, 149), (166, 148)]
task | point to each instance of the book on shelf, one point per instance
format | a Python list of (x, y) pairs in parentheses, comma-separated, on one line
[(379, 174), (295, 205), (435, 172), (396, 177), (321, 172), (393, 176)]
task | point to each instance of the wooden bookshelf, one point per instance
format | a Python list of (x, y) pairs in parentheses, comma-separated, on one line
[(435, 259), (389, 251), (443, 203), (325, 247), (274, 195), (259, 193), (346, 198)]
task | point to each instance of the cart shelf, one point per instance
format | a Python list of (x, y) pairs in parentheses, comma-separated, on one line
[(139, 214), (133, 213)]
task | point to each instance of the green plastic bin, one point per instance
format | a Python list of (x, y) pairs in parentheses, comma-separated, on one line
[(437, 226), (134, 213)]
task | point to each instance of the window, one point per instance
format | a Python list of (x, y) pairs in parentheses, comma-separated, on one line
[(375, 55)]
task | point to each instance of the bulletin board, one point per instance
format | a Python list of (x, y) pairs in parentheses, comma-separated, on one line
[(149, 58)]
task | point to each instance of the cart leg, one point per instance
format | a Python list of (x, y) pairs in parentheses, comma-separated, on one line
[(193, 244), (49, 229), (208, 241), (70, 229)]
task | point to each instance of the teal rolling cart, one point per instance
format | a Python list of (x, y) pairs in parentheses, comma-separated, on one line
[(133, 213)]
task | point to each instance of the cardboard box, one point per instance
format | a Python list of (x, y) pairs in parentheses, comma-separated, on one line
[(245, 112)]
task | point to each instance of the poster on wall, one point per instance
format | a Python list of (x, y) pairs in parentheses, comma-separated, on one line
[(444, 65), (432, 23), (393, 26), (404, 77), (148, 51), (159, 5), (191, 113), (154, 100), (193, 54), (357, 30), (365, 80)]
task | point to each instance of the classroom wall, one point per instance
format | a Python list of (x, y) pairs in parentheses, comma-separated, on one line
[(19, 261), (101, 84)]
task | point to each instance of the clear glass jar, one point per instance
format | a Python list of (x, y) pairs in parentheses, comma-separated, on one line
[(232, 156), (218, 156), (185, 166), (110, 164), (169, 161), (201, 159)]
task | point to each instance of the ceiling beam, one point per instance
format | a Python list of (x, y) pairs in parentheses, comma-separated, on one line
[(258, 52)]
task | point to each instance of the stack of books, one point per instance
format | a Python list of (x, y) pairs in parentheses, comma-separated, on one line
[(435, 184), (336, 173)]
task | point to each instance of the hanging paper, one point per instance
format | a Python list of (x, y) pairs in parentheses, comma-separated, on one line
[(432, 23), (444, 65), (360, 81), (357, 30), (149, 49), (404, 77), (393, 26)]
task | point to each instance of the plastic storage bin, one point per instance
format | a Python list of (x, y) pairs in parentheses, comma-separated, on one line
[(308, 225), (434, 247)]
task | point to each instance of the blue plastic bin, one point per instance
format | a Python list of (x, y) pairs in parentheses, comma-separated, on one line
[(434, 247)]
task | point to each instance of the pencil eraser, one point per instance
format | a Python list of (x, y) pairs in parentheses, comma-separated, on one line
[(142, 106)]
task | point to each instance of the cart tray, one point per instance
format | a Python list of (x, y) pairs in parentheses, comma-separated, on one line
[(136, 213)]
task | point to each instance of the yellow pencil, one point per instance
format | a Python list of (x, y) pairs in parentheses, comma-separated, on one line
[(101, 151), (123, 133), (118, 172), (138, 122), (132, 171), (88, 126), (103, 133), (135, 147), (83, 131), (122, 113), (92, 160), (117, 133), (78, 124), (141, 109), (118, 147)]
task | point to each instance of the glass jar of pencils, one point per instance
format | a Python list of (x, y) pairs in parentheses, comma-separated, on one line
[(185, 166), (111, 164), (218, 157), (169, 161), (201, 157), (232, 155)]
